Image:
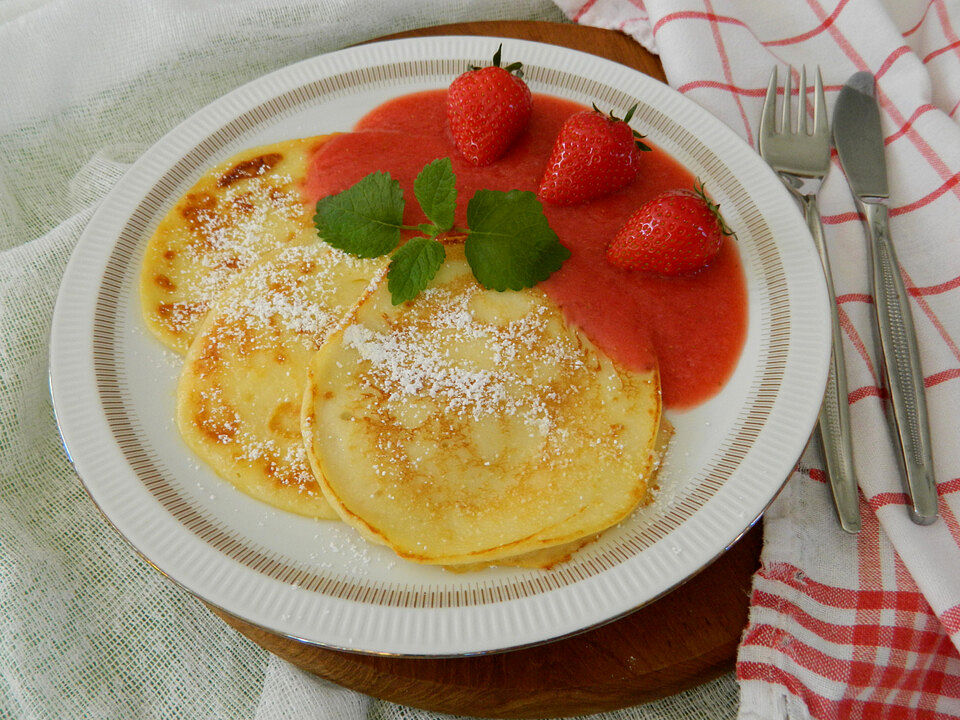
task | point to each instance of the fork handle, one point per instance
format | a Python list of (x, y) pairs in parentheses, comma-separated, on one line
[(907, 409), (834, 424)]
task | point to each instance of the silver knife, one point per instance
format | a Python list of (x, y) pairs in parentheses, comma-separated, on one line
[(859, 143)]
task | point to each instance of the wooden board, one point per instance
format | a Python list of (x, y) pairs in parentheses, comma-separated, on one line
[(685, 638)]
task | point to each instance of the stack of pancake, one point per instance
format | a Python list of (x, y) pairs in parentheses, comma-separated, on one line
[(464, 428)]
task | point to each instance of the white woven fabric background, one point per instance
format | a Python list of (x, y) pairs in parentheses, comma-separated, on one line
[(87, 629)]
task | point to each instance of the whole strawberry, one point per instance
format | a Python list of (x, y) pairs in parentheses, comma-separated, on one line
[(595, 155), (487, 109), (676, 233)]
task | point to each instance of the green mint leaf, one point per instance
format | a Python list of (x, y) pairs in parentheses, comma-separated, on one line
[(363, 220), (511, 245), (412, 267), (436, 191), (429, 229)]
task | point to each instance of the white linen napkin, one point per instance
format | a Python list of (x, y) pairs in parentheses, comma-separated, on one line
[(843, 626)]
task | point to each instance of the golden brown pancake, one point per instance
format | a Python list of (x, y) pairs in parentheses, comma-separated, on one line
[(239, 396), (549, 557), (469, 425), (534, 560), (239, 210)]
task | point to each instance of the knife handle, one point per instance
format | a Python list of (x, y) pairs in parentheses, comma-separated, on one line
[(834, 425), (907, 410)]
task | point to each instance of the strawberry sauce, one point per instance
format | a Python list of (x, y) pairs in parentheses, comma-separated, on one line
[(693, 327)]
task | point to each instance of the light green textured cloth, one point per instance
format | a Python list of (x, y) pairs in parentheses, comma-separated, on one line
[(87, 629)]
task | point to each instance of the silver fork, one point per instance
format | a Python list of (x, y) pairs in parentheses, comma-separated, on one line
[(802, 159)]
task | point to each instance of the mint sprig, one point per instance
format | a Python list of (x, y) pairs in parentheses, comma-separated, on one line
[(365, 219), (509, 245), (436, 191), (412, 267)]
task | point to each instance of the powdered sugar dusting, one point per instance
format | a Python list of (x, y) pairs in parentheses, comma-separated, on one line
[(264, 330), (298, 292), (286, 462), (421, 359), (231, 232)]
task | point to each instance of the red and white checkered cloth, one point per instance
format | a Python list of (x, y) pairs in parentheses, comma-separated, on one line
[(843, 626)]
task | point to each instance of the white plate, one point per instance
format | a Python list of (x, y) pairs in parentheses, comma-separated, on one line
[(113, 384)]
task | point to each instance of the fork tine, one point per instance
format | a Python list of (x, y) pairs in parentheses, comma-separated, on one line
[(819, 108), (768, 116), (802, 102), (785, 126)]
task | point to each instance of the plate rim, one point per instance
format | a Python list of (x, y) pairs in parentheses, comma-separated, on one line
[(265, 79)]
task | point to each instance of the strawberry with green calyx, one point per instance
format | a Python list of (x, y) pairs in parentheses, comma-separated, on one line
[(487, 109), (676, 233), (594, 155)]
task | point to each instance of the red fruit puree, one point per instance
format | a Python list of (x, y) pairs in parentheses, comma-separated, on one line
[(693, 327)]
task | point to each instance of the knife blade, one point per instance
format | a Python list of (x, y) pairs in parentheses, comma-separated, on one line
[(859, 141)]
